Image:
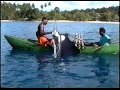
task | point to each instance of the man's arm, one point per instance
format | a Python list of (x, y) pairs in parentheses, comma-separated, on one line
[(101, 46), (44, 33), (109, 39), (98, 48)]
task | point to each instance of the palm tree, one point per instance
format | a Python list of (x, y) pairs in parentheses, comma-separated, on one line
[(56, 9), (49, 4), (45, 5), (41, 6), (33, 6)]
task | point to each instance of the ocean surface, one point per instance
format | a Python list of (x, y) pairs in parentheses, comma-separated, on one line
[(20, 69)]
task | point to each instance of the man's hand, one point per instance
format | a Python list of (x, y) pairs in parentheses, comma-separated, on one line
[(97, 48)]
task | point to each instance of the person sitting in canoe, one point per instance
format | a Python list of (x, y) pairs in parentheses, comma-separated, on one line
[(104, 40), (42, 39)]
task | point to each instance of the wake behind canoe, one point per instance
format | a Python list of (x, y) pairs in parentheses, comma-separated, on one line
[(31, 45)]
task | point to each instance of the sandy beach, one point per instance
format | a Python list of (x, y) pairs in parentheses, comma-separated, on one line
[(69, 21), (7, 20), (58, 21), (83, 21), (102, 22)]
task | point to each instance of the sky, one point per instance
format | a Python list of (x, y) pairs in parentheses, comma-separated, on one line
[(70, 5)]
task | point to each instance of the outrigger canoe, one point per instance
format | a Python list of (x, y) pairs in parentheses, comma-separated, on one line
[(31, 45)]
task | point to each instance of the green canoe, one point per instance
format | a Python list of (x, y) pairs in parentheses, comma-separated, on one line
[(31, 45)]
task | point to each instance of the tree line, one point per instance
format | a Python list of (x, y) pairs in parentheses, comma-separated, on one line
[(30, 12)]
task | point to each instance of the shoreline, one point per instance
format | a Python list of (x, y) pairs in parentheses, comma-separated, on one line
[(102, 22), (66, 21)]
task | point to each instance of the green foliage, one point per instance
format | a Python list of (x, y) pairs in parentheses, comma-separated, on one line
[(29, 12), (106, 16)]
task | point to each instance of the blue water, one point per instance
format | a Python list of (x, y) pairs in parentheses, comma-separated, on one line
[(40, 70)]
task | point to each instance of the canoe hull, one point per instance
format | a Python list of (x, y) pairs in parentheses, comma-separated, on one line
[(31, 45), (26, 44), (111, 49)]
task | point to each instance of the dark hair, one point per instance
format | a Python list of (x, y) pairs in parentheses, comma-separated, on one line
[(44, 18), (102, 30)]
